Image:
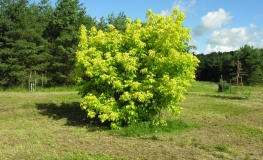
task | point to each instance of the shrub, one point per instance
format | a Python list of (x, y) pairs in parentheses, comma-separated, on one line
[(223, 86), (131, 76)]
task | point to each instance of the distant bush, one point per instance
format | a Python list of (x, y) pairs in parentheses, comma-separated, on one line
[(223, 86)]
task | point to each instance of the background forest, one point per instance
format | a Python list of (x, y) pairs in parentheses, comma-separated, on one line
[(38, 43), (216, 64)]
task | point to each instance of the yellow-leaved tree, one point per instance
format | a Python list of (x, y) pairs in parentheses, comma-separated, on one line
[(131, 76)]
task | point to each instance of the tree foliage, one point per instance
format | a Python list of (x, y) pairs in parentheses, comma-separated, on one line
[(223, 86), (38, 38), (215, 64), (118, 22), (22, 46), (131, 76), (62, 34)]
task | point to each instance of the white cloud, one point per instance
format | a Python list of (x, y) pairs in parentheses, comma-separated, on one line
[(165, 12), (253, 26), (226, 40), (196, 44), (260, 44), (229, 37), (256, 44), (182, 5), (251, 43), (217, 48), (211, 21)]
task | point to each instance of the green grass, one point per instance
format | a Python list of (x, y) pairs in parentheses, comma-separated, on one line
[(49, 124), (254, 133), (208, 87), (222, 148), (144, 129), (41, 89), (225, 109)]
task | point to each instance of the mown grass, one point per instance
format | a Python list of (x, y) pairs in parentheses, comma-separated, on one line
[(49, 124), (144, 129), (80, 156), (40, 89)]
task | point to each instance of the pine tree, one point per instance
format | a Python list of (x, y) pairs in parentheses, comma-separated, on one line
[(254, 66), (22, 45), (62, 34), (118, 22)]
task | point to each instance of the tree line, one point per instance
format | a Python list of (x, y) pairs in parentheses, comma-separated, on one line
[(247, 61), (38, 41)]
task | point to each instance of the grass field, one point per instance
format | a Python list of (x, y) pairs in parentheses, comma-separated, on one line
[(49, 124)]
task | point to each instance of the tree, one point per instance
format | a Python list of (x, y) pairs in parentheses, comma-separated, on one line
[(102, 24), (89, 22), (210, 67), (62, 35), (118, 22), (131, 76), (254, 65), (216, 64), (22, 44)]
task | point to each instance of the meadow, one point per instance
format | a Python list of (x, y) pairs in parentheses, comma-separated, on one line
[(49, 124)]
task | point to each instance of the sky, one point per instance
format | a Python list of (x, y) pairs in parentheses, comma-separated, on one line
[(216, 25)]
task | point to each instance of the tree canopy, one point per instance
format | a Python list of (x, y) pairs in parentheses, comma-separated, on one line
[(215, 64), (42, 39), (131, 76)]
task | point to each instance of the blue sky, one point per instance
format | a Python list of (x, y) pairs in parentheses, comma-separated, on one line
[(217, 25)]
